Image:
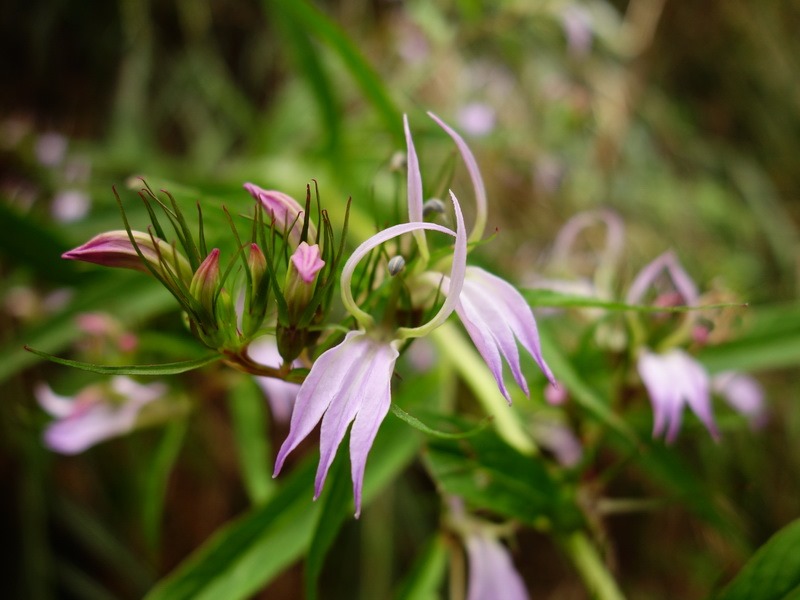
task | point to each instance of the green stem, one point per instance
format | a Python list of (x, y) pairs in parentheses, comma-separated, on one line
[(599, 581), (476, 374)]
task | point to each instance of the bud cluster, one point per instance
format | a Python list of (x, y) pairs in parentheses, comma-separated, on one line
[(279, 280)]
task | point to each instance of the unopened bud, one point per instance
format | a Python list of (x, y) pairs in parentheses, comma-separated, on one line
[(301, 277), (286, 214), (257, 265), (397, 162), (258, 292), (114, 249), (433, 206), (396, 264), (206, 281)]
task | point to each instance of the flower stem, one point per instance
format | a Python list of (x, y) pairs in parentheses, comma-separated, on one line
[(599, 581)]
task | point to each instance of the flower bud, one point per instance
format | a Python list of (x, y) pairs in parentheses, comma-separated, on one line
[(258, 291), (286, 213), (206, 282), (396, 264), (432, 206), (301, 277), (114, 249)]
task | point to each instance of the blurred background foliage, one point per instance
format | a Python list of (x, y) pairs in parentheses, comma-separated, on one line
[(682, 117)]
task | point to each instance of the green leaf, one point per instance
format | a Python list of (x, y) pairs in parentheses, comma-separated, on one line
[(171, 368), (489, 474), (156, 478), (103, 544), (26, 242), (335, 504), (248, 553), (312, 20), (682, 485), (770, 341), (773, 573), (553, 299), (249, 419), (417, 424), (425, 578)]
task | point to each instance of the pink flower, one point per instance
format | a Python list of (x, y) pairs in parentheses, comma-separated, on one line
[(492, 574), (96, 413), (674, 380), (493, 312), (744, 394)]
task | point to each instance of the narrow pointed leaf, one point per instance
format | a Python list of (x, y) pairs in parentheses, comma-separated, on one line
[(171, 368)]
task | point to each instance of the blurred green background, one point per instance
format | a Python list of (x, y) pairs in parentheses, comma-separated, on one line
[(682, 117)]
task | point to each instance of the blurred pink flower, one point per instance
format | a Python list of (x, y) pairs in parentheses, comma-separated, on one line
[(96, 413), (744, 394), (492, 574), (675, 379)]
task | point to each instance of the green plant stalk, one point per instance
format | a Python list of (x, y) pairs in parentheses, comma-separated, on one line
[(480, 380), (599, 581)]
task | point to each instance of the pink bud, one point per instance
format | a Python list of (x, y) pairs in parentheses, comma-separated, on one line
[(284, 211)]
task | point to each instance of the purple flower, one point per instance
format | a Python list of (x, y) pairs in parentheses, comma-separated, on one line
[(668, 263), (675, 379), (744, 394), (496, 316), (351, 382), (494, 313), (491, 571), (96, 413)]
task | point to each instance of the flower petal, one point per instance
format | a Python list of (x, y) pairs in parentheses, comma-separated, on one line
[(494, 314), (367, 381), (744, 394), (369, 419), (491, 571), (675, 379), (649, 274), (326, 379), (386, 235), (474, 175)]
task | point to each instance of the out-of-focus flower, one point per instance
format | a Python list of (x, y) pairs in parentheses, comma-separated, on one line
[(70, 205), (675, 379), (559, 439), (50, 149), (96, 413), (280, 394), (577, 24), (477, 118), (287, 214), (492, 574), (103, 326), (744, 394), (548, 174), (351, 382)]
